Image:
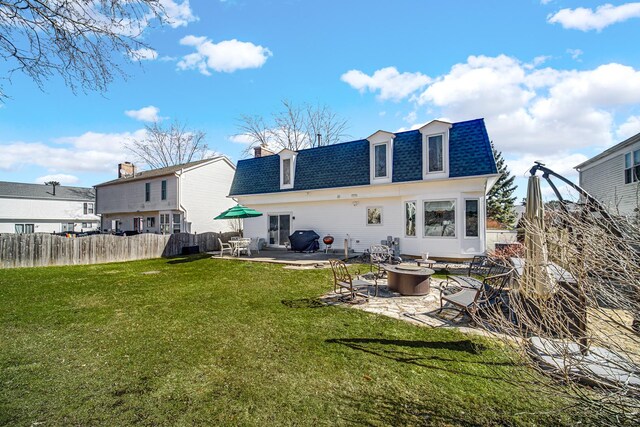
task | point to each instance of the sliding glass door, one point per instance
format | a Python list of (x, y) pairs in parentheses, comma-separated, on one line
[(279, 229)]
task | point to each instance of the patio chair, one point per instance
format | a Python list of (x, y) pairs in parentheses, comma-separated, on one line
[(342, 281), (469, 294), (225, 247), (243, 245), (379, 255)]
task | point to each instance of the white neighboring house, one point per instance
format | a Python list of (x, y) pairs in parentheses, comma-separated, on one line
[(426, 187), (33, 208), (613, 177), (174, 199)]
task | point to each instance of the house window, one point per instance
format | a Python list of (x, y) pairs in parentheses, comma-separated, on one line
[(380, 161), (163, 191), (471, 218), (87, 208), (85, 225), (440, 218), (176, 223), (164, 223), (147, 191), (286, 172), (410, 219), (435, 156), (632, 167), (374, 215), (24, 228), (151, 221)]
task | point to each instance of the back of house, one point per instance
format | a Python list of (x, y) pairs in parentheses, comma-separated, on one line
[(613, 177), (40, 208), (175, 199), (424, 188)]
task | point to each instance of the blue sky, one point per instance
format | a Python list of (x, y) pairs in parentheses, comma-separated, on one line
[(555, 80)]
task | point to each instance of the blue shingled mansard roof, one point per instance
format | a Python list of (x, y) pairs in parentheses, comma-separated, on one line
[(347, 164)]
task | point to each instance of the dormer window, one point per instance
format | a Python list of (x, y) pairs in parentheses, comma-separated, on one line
[(286, 171), (287, 168), (380, 161), (435, 154), (435, 149), (381, 157)]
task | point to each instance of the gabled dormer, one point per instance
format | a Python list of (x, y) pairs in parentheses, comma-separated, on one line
[(287, 168), (435, 149), (381, 157)]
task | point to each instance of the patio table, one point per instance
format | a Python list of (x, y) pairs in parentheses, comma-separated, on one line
[(237, 244), (408, 280)]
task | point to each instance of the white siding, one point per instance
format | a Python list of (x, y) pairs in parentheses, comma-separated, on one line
[(130, 196), (46, 215), (342, 214), (604, 180), (203, 195)]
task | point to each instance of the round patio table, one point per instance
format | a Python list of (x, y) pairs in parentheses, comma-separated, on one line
[(408, 280)]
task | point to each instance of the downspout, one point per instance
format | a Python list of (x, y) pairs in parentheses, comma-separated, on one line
[(180, 206)]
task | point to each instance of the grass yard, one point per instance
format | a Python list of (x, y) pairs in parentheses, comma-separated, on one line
[(199, 341)]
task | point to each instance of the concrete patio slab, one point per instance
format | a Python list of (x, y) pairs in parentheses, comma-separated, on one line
[(289, 258)]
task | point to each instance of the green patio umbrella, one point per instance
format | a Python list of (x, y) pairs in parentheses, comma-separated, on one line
[(238, 211)]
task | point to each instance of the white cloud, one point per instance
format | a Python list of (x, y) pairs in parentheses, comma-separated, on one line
[(629, 128), (145, 114), (178, 14), (388, 81), (226, 56), (90, 152), (575, 53), (63, 179), (144, 54), (545, 1), (539, 111), (241, 139), (586, 19)]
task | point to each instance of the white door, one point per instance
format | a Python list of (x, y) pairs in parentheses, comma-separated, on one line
[(279, 229)]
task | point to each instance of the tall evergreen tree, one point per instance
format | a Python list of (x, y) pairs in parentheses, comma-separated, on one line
[(500, 200)]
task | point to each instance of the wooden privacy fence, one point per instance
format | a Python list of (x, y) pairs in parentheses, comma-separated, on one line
[(40, 250)]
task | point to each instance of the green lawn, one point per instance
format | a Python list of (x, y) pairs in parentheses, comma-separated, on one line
[(226, 342)]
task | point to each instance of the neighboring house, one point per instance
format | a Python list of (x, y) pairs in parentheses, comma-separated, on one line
[(613, 176), (33, 208), (174, 199), (426, 187)]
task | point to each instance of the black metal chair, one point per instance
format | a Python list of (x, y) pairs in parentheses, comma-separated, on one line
[(470, 293), (342, 281)]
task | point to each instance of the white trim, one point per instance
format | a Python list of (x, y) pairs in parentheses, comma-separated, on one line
[(464, 218), (455, 213), (366, 219), (404, 219), (379, 138), (291, 156), (435, 128)]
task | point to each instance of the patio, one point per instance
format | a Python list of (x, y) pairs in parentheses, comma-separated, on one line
[(318, 259), (419, 310)]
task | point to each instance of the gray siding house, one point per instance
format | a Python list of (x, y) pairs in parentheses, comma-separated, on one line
[(613, 177)]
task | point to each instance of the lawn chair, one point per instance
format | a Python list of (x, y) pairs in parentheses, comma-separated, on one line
[(225, 247), (378, 256), (342, 281), (243, 245), (469, 293)]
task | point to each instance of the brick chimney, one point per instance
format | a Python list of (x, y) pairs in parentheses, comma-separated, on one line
[(262, 151), (126, 170)]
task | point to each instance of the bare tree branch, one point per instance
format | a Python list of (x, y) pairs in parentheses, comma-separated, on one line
[(295, 127), (168, 146), (598, 315), (84, 42)]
